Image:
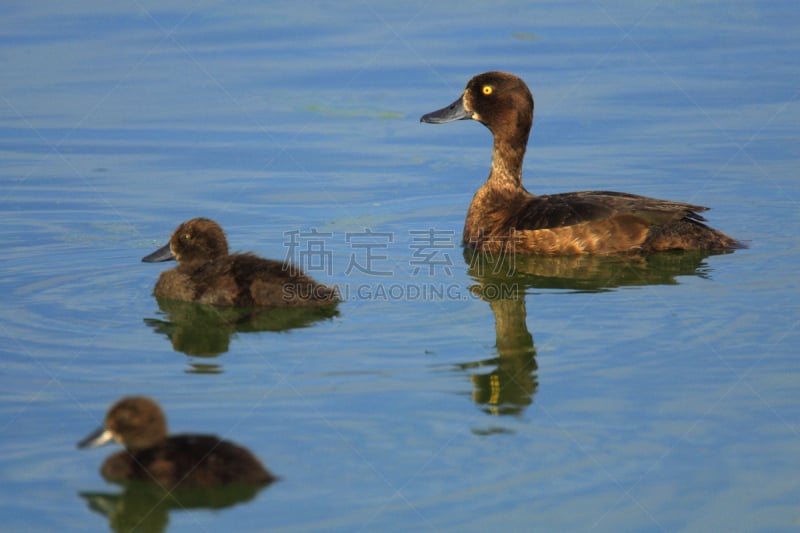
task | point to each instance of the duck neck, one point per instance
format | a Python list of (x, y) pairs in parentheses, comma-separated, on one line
[(507, 157)]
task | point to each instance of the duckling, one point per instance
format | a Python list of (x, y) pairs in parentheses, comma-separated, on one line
[(208, 274), (138, 423), (503, 214)]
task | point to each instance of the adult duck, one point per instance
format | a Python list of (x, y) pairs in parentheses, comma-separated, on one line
[(503, 214), (138, 423), (208, 274)]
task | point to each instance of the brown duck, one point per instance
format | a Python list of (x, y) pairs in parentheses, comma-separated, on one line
[(138, 423), (504, 214), (208, 274)]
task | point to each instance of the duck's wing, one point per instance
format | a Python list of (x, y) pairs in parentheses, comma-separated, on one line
[(568, 209), (199, 461)]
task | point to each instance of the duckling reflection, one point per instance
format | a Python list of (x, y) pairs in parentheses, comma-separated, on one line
[(503, 280), (206, 330), (146, 507)]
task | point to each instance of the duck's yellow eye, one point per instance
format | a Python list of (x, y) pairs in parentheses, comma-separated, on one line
[(187, 236), (488, 89)]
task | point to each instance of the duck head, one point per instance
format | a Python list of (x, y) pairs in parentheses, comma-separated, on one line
[(196, 240), (136, 422), (500, 101)]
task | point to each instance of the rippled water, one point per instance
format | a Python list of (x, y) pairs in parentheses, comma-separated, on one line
[(445, 393)]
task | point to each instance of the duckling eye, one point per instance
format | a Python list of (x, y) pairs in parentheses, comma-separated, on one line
[(187, 236), (487, 90)]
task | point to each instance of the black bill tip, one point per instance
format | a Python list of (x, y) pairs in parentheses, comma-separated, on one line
[(162, 254), (454, 111)]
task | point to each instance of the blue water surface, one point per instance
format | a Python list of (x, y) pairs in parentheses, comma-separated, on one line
[(658, 395)]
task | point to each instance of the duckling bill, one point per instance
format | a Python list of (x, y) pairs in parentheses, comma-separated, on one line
[(207, 273), (504, 215), (138, 423)]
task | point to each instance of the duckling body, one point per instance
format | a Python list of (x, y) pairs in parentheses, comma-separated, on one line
[(208, 274), (503, 214), (138, 423)]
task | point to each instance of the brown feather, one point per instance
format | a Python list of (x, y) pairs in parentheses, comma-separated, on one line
[(503, 214), (208, 274)]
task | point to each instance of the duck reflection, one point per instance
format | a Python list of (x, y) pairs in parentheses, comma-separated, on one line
[(206, 330), (503, 280), (510, 387), (145, 507)]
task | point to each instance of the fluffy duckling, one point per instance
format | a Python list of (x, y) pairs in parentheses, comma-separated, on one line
[(208, 274), (138, 423)]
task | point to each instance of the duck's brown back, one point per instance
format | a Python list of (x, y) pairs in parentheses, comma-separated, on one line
[(188, 461), (585, 222), (243, 280)]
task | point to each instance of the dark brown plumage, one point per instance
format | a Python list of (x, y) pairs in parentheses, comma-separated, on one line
[(503, 214), (138, 423), (208, 274)]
